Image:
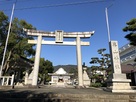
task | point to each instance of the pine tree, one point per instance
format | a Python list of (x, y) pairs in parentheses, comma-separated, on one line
[(131, 29)]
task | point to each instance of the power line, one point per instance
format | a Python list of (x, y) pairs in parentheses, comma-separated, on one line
[(14, 0), (59, 5), (6, 2)]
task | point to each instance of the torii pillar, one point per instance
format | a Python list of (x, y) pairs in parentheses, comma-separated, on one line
[(37, 61), (59, 41), (79, 62)]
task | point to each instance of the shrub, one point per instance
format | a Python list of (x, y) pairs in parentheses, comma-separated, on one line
[(96, 85)]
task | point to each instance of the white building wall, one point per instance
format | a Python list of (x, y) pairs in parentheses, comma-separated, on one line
[(127, 54)]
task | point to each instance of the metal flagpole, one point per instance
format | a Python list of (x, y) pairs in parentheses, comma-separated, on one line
[(107, 21), (11, 17)]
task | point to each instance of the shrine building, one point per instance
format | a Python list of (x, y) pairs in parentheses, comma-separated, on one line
[(60, 77)]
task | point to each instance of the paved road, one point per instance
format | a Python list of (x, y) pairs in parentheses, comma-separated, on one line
[(58, 90)]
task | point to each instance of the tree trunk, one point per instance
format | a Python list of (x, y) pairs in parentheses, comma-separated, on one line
[(6, 64)]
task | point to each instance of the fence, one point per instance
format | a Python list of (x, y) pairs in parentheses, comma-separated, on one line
[(7, 81)]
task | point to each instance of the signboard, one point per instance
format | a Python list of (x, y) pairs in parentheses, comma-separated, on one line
[(115, 57), (59, 36)]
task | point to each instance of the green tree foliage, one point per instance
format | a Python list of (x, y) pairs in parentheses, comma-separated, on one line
[(100, 64), (3, 25), (75, 72), (104, 61), (3, 31), (131, 29), (45, 68), (17, 43)]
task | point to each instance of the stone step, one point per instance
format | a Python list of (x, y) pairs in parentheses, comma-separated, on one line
[(25, 97), (94, 96), (58, 100), (6, 87), (80, 96)]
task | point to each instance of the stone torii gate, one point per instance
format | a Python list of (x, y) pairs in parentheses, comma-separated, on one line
[(59, 35)]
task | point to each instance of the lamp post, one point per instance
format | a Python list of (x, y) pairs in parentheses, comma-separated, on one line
[(6, 43)]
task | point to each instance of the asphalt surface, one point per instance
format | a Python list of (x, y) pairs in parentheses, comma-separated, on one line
[(60, 90)]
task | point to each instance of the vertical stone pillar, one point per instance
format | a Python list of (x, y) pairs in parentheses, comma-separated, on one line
[(12, 80), (37, 61), (117, 82), (7, 80), (79, 62), (3, 80), (52, 79), (26, 77), (115, 57)]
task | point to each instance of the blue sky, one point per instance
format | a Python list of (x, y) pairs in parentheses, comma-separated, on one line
[(78, 18)]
